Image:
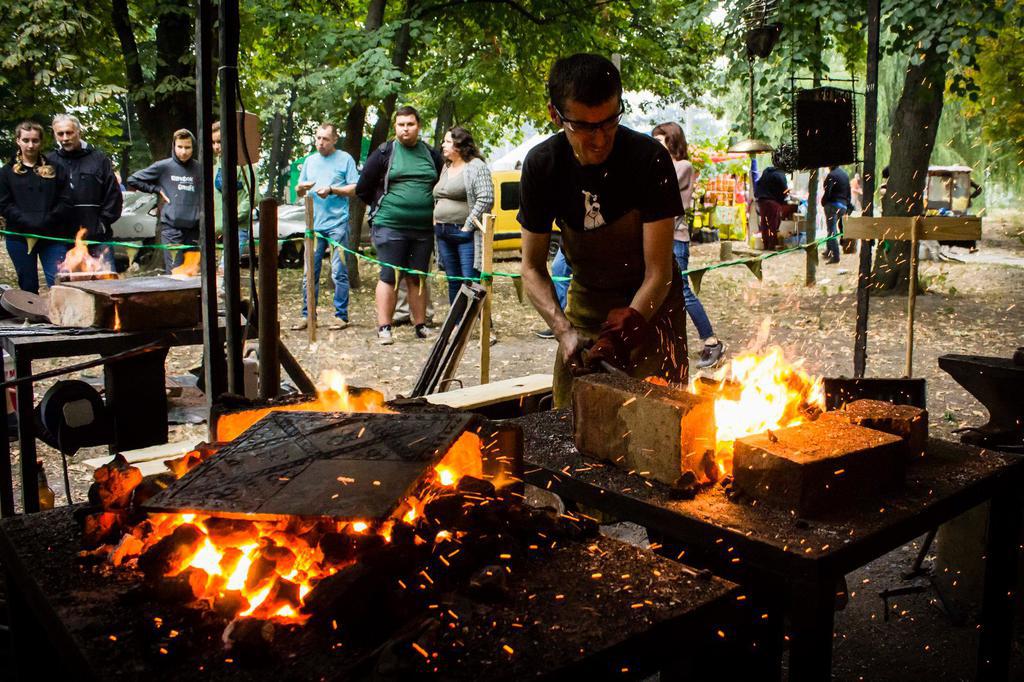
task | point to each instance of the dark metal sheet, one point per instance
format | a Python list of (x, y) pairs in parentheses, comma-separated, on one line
[(317, 464)]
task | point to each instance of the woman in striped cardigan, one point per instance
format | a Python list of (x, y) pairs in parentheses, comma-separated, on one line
[(462, 195)]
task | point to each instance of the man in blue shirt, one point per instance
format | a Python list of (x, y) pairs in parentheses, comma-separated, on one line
[(331, 175)]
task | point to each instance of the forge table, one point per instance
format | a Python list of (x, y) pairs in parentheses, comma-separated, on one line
[(588, 610), (804, 559), (135, 388)]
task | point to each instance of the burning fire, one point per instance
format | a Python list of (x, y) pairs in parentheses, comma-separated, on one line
[(756, 393), (189, 265), (265, 569), (332, 395), (78, 259)]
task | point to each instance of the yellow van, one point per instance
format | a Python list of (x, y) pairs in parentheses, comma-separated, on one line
[(507, 235)]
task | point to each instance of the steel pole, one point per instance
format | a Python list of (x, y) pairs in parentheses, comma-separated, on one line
[(860, 343), (269, 325), (214, 368)]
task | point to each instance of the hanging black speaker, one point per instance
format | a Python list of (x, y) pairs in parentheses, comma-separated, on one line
[(825, 128)]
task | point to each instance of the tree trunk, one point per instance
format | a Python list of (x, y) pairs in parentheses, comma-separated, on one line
[(274, 162), (355, 123), (445, 117), (161, 114), (915, 123)]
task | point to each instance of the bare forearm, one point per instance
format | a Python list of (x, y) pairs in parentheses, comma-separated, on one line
[(652, 293), (540, 289)]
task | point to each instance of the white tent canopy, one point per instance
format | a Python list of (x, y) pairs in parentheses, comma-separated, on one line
[(509, 160)]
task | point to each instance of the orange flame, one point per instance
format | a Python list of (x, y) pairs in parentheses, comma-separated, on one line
[(332, 395), (189, 265), (78, 258), (755, 393), (265, 569)]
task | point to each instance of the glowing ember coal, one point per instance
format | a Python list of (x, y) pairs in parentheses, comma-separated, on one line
[(79, 264), (332, 395), (756, 393)]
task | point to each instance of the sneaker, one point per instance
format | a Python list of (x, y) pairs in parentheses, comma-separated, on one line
[(546, 334), (831, 261), (384, 336), (338, 324), (710, 355), (422, 332), (301, 326)]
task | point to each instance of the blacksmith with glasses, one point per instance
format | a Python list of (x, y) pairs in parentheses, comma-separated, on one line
[(613, 193)]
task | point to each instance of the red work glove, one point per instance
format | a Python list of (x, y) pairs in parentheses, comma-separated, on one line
[(623, 330)]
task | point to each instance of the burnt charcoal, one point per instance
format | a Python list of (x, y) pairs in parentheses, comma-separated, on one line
[(400, 660), (445, 510), (229, 560), (150, 486), (248, 639), (802, 524), (230, 603), (475, 486), (101, 528), (489, 584), (128, 548), (576, 527), (113, 484), (171, 551), (261, 572), (402, 534), (685, 487), (179, 589), (367, 542), (282, 593), (230, 532), (726, 481), (337, 548)]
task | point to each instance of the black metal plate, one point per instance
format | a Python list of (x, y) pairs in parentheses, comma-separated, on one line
[(317, 464)]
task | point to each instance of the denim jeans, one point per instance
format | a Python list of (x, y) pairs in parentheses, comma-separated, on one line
[(694, 308), (26, 264), (834, 220), (339, 273), (243, 247), (455, 251), (560, 268), (171, 235)]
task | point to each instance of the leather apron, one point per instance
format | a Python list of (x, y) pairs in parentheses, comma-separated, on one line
[(607, 270)]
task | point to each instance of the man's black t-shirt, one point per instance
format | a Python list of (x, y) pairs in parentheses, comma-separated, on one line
[(638, 174)]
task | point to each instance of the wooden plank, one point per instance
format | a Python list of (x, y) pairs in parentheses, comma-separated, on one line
[(153, 453), (901, 227), (135, 304), (486, 265), (487, 394)]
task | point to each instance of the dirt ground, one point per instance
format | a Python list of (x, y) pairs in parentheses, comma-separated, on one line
[(971, 307)]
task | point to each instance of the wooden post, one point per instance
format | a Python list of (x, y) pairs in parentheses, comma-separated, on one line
[(915, 232), (486, 265), (309, 246)]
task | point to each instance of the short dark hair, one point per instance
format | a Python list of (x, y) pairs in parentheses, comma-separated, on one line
[(589, 79), (408, 111), (464, 143), (675, 140)]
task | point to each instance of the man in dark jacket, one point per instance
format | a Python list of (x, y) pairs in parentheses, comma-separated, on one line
[(178, 182), (837, 200), (95, 192)]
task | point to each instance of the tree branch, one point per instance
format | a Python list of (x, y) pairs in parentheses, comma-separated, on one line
[(129, 49), (536, 19)]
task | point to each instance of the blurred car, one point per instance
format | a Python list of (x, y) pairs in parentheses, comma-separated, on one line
[(137, 224)]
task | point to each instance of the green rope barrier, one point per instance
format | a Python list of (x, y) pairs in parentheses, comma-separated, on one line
[(411, 271)]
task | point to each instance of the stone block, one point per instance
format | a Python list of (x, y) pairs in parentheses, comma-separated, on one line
[(657, 431), (906, 421), (818, 466)]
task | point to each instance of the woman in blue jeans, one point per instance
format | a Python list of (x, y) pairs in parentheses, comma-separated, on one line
[(35, 199), (462, 195), (674, 140)]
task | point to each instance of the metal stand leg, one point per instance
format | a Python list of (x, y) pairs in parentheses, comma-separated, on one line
[(812, 617), (997, 609), (6, 472), (27, 437)]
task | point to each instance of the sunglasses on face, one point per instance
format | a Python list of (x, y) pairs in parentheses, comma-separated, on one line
[(588, 128)]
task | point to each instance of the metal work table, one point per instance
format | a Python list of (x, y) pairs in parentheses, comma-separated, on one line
[(142, 375), (561, 619), (804, 559)]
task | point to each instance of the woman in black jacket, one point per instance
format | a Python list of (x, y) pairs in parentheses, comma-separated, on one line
[(35, 201)]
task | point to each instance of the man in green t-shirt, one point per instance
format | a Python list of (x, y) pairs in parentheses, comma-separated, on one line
[(397, 183)]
